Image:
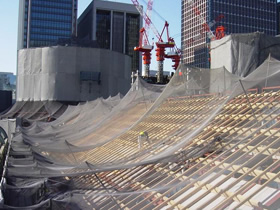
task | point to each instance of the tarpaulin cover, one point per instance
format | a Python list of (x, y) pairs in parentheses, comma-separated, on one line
[(53, 74), (243, 53)]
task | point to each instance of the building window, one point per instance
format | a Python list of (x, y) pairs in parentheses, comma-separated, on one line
[(103, 28), (132, 39), (118, 31)]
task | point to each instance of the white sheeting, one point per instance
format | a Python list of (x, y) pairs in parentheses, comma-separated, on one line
[(243, 53), (53, 74)]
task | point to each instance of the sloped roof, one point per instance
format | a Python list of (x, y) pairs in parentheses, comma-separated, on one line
[(214, 142)]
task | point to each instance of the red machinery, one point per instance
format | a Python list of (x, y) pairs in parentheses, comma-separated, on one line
[(148, 23), (175, 56), (220, 32), (161, 45), (146, 50)]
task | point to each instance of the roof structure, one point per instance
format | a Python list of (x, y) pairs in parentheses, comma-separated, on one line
[(213, 143)]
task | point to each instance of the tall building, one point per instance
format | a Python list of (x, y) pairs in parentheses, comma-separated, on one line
[(115, 26), (44, 22), (237, 16)]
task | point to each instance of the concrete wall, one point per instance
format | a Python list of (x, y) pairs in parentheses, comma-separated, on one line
[(53, 73)]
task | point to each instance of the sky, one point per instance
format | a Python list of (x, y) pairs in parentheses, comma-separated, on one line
[(170, 10)]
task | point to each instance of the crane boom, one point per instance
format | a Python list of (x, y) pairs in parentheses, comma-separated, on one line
[(147, 24), (146, 18), (201, 19)]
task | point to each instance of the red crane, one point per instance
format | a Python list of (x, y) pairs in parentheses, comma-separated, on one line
[(148, 23), (161, 45), (145, 48), (220, 30), (175, 56), (201, 19)]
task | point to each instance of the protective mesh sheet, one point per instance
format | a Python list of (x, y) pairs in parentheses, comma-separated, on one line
[(95, 122), (35, 111), (187, 83), (241, 54), (205, 129)]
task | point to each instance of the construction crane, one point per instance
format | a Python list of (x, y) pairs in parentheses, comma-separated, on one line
[(220, 30), (146, 18), (175, 56), (148, 24), (161, 45), (207, 27), (144, 45), (201, 19), (146, 51)]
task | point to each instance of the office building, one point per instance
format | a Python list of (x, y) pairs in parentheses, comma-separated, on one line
[(44, 22), (115, 26), (236, 16)]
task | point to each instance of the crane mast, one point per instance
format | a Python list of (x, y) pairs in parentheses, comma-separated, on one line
[(145, 50), (144, 46)]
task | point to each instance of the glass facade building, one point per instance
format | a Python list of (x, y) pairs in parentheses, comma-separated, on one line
[(132, 39), (103, 28), (118, 31), (236, 16), (44, 22), (115, 26)]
